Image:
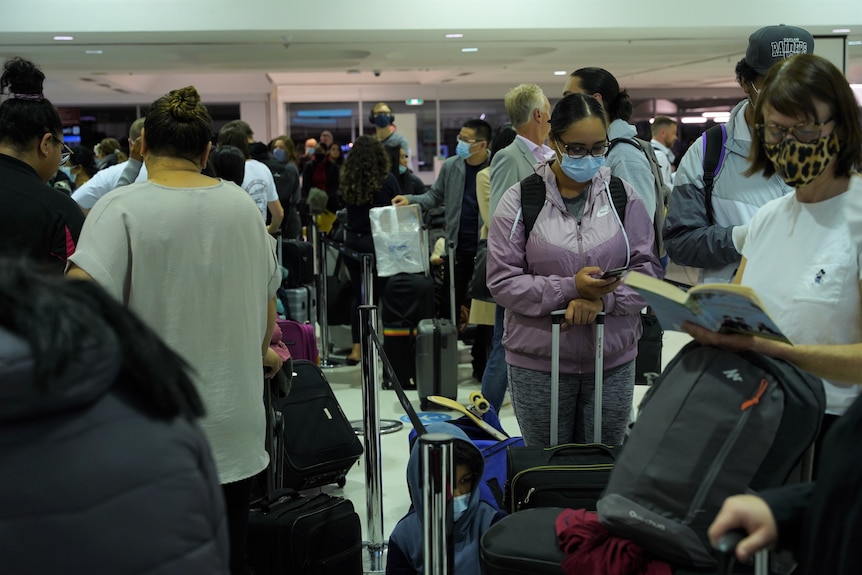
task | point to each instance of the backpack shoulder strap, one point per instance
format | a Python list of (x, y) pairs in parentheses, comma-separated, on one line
[(532, 200), (619, 197), (629, 141), (713, 158)]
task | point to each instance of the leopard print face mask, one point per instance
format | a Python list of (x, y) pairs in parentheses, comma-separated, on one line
[(799, 163)]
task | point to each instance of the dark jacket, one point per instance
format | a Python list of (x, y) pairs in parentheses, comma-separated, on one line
[(91, 484), (821, 523), (36, 220), (329, 181)]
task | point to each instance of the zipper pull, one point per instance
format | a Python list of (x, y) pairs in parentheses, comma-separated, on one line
[(527, 498), (761, 389)]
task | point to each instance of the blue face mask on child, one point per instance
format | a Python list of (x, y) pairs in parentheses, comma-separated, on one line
[(462, 150), (459, 505), (581, 169)]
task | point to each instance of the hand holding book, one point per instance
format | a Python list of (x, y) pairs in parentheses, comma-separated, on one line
[(722, 308)]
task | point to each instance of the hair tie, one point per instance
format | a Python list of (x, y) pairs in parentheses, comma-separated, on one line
[(32, 97)]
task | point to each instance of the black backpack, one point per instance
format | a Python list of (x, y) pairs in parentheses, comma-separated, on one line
[(716, 423), (533, 199)]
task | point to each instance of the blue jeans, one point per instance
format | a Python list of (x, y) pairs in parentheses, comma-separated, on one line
[(495, 379)]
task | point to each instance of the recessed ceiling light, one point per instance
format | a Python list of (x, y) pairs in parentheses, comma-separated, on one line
[(854, 43), (64, 38), (92, 51), (469, 49), (560, 73), (841, 31), (454, 35)]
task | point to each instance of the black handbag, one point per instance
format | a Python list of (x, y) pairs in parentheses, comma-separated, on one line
[(478, 286)]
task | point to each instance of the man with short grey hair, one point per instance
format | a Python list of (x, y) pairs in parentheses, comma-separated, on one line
[(530, 113)]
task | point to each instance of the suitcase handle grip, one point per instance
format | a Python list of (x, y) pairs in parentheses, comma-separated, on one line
[(580, 448), (266, 502)]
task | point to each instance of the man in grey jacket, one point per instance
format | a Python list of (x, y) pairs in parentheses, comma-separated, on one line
[(530, 112), (455, 189), (690, 238)]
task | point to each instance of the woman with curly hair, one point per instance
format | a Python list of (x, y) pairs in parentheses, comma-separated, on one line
[(366, 183)]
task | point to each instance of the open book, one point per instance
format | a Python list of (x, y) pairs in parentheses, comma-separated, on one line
[(725, 308)]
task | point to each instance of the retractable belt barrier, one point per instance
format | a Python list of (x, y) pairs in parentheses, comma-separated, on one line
[(437, 464)]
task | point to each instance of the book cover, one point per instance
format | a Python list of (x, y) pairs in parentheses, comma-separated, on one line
[(724, 308)]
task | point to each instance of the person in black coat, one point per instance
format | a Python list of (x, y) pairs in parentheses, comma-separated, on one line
[(104, 468)]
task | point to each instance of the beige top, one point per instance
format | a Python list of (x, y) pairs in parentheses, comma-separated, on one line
[(198, 266)]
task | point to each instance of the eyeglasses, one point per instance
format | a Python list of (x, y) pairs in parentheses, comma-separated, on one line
[(467, 140), (804, 132), (578, 151), (67, 153)]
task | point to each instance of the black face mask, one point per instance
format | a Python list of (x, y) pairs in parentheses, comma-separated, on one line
[(319, 157)]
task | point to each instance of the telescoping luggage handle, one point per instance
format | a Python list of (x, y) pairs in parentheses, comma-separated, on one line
[(727, 546), (557, 318)]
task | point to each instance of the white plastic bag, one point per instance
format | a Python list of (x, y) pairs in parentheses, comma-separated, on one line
[(398, 245)]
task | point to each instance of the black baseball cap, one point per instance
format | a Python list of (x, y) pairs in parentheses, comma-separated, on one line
[(773, 43)]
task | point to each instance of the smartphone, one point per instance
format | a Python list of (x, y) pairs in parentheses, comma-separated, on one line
[(614, 273)]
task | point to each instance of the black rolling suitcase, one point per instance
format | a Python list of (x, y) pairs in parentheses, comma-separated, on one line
[(290, 534), (570, 475), (298, 259), (523, 543), (407, 300), (319, 445)]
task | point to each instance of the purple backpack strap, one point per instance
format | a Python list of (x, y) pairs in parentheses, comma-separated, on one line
[(713, 159)]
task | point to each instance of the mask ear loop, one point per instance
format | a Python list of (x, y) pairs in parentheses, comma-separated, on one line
[(620, 222)]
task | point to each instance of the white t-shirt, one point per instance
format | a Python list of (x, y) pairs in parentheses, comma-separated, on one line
[(806, 269), (202, 282), (259, 184), (103, 182)]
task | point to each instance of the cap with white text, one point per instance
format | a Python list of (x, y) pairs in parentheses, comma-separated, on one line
[(773, 43)]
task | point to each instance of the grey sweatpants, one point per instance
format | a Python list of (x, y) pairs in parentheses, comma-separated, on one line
[(531, 399)]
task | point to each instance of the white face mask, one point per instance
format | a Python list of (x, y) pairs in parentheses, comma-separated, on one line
[(756, 95), (459, 505)]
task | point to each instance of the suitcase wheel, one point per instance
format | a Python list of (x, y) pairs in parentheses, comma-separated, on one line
[(342, 481)]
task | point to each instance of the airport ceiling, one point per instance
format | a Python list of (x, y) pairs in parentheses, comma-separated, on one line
[(650, 62)]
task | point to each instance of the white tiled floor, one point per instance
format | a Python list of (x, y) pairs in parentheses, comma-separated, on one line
[(346, 383)]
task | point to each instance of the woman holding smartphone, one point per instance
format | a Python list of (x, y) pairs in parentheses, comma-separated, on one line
[(577, 237)]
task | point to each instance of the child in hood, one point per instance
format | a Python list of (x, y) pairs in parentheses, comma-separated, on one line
[(472, 517)]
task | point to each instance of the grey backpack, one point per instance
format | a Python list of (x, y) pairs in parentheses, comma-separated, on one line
[(662, 189), (716, 423)]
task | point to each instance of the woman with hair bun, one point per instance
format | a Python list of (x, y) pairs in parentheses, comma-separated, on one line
[(191, 255), (36, 221)]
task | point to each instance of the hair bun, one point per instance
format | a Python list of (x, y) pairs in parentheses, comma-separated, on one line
[(183, 103), (21, 76)]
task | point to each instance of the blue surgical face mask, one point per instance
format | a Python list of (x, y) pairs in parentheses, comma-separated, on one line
[(459, 505), (382, 120), (66, 170), (581, 169), (402, 169), (310, 151), (462, 150), (280, 155)]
